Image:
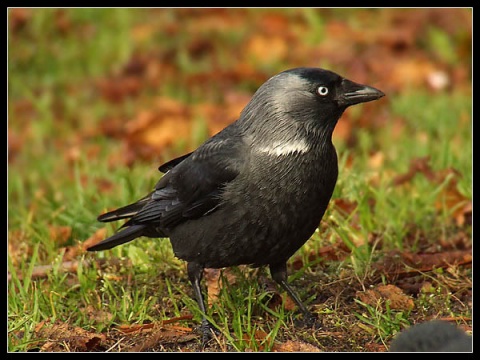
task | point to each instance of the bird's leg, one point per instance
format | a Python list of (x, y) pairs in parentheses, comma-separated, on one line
[(279, 274), (195, 274)]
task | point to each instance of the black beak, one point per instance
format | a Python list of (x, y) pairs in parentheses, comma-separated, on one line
[(352, 93)]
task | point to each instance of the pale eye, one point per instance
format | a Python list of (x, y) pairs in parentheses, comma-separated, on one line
[(322, 90)]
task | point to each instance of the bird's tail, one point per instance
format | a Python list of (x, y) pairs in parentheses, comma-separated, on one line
[(124, 212), (128, 234)]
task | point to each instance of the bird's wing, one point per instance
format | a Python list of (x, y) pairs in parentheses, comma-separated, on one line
[(193, 187), (169, 165)]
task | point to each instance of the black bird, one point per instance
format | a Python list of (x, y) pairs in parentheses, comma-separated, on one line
[(255, 192), (432, 336)]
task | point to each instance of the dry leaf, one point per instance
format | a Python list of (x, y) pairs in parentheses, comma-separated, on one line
[(60, 234), (396, 298), (151, 131), (71, 252), (398, 264), (62, 336), (294, 346), (161, 336), (214, 279), (266, 49)]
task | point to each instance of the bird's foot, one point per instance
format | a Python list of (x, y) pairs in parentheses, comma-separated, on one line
[(309, 320), (207, 331)]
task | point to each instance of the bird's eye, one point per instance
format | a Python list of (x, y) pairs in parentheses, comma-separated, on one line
[(322, 90)]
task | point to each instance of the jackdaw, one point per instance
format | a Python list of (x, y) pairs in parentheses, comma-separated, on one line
[(432, 336), (256, 191)]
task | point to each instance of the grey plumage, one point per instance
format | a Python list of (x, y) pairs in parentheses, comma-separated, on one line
[(255, 192), (432, 336)]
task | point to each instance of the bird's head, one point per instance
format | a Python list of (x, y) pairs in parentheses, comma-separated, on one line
[(310, 98)]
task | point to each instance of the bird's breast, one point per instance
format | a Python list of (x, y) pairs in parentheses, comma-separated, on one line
[(268, 212)]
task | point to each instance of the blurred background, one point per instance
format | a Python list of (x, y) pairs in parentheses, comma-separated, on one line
[(158, 81), (99, 98)]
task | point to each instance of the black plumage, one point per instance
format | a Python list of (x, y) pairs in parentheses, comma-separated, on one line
[(255, 192), (432, 336)]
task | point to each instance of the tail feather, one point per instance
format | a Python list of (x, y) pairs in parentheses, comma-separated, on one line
[(130, 233), (124, 212)]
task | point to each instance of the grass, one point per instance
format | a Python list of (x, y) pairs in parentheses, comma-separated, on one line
[(63, 176)]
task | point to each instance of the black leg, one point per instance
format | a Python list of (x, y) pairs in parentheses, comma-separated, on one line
[(195, 274), (279, 274)]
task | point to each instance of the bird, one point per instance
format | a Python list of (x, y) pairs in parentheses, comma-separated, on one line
[(432, 336), (256, 191)]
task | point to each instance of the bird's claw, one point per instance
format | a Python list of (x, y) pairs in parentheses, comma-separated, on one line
[(207, 331), (309, 320)]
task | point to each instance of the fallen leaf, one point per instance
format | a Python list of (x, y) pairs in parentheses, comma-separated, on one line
[(176, 319), (374, 347), (214, 279), (60, 234), (161, 336), (376, 160), (417, 165), (278, 300), (398, 264), (18, 246), (62, 21), (256, 342), (127, 329), (395, 297), (116, 89), (152, 131), (266, 49), (294, 346), (98, 316), (71, 252), (449, 196), (463, 215), (18, 18), (15, 144), (63, 336)]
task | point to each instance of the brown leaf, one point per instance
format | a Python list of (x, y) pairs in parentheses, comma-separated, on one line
[(96, 315), (374, 347), (62, 336), (399, 264), (335, 252), (463, 215), (71, 252), (376, 160), (151, 131), (116, 89), (214, 279), (18, 18), (218, 116), (177, 318), (294, 346), (42, 271), (279, 300), (449, 196), (162, 336), (126, 329), (96, 237), (266, 49), (15, 144), (417, 165), (256, 342), (18, 246), (62, 21), (391, 293), (60, 234), (345, 206)]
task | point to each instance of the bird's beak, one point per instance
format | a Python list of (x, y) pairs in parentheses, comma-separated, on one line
[(352, 93)]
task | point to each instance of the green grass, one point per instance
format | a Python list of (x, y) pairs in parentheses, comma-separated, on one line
[(54, 180)]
